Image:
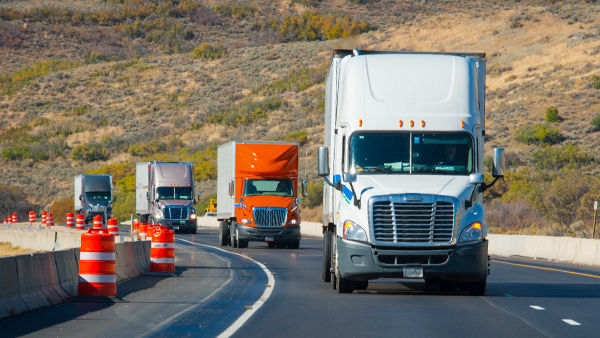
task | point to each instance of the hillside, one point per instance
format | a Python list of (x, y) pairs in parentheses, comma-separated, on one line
[(94, 86)]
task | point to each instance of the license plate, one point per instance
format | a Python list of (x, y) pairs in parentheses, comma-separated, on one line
[(412, 272), (181, 222), (269, 239), (176, 227)]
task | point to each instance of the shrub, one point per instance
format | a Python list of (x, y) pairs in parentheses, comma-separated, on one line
[(595, 122), (308, 3), (24, 76), (552, 115), (14, 199), (118, 170), (89, 152), (60, 208), (539, 134), (555, 158), (297, 80), (164, 31), (208, 51), (246, 113), (146, 149), (314, 195), (37, 151), (299, 136), (596, 81), (239, 10)]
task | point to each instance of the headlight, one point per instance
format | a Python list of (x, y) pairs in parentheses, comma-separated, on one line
[(471, 233), (293, 222), (193, 216), (354, 232), (246, 221)]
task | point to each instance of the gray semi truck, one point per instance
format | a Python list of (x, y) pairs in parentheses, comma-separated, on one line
[(165, 195), (93, 196)]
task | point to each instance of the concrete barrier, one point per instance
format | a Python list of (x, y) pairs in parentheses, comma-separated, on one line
[(311, 229), (126, 267), (10, 298), (67, 267), (208, 222)]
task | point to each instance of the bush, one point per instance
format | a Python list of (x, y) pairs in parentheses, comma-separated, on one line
[(208, 51), (60, 208), (246, 113), (552, 115), (90, 152), (14, 199), (297, 80), (164, 31), (308, 3), (24, 76), (299, 136), (539, 134), (555, 158), (118, 171), (39, 150), (596, 81), (596, 122), (314, 194), (236, 11)]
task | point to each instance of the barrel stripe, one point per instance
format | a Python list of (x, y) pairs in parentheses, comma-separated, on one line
[(97, 256), (163, 245), (162, 260), (98, 278)]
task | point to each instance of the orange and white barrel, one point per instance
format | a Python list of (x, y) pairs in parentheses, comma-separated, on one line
[(80, 222), (5, 221), (50, 220), (15, 217), (113, 226), (97, 268), (162, 252), (136, 230), (98, 225), (70, 219), (32, 217), (44, 218), (144, 231)]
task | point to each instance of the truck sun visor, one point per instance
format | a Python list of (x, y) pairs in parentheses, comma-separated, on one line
[(96, 183), (274, 160)]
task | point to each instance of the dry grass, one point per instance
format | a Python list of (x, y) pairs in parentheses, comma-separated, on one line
[(6, 249)]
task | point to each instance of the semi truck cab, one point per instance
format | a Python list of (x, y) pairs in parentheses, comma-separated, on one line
[(403, 169)]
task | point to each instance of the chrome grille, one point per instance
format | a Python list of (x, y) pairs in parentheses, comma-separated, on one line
[(269, 217), (399, 222), (175, 213)]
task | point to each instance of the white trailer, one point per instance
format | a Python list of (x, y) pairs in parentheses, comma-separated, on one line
[(403, 167)]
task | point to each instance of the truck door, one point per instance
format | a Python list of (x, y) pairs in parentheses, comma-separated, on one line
[(338, 169)]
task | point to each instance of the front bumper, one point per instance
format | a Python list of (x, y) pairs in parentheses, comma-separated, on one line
[(279, 234), (187, 224), (464, 262)]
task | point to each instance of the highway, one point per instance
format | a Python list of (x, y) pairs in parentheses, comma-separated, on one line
[(213, 288)]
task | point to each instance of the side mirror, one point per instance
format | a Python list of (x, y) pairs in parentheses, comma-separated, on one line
[(498, 170), (304, 193), (476, 178), (231, 188), (323, 167), (348, 177)]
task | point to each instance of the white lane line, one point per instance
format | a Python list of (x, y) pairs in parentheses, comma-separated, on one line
[(250, 310), (508, 295), (571, 322), (535, 307)]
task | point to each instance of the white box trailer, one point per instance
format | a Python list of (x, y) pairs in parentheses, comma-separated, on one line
[(225, 175), (142, 182)]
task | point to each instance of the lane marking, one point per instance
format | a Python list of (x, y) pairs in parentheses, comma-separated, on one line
[(250, 310), (535, 307), (571, 322), (544, 268), (167, 321)]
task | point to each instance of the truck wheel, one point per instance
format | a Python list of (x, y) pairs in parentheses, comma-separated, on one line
[(240, 243), (474, 288), (343, 285), (294, 244), (223, 234), (361, 285), (233, 238), (326, 267)]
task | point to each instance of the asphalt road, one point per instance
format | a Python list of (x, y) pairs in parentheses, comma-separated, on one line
[(525, 300)]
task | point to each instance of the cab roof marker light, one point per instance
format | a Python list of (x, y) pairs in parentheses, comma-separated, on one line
[(412, 123), (400, 124), (462, 124), (422, 123), (360, 123)]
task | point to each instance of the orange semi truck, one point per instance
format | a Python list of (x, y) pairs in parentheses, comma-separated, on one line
[(257, 193)]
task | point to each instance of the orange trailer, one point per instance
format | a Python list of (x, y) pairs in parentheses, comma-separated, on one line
[(257, 193)]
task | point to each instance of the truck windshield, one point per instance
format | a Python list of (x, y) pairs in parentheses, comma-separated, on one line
[(97, 196), (411, 153), (174, 193), (255, 187)]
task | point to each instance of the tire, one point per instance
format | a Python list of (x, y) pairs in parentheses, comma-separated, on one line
[(361, 285), (240, 243), (233, 239), (326, 266), (344, 285), (223, 234), (271, 245), (474, 288), (294, 244)]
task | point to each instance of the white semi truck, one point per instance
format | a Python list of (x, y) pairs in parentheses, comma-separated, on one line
[(93, 196), (165, 195), (403, 169)]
